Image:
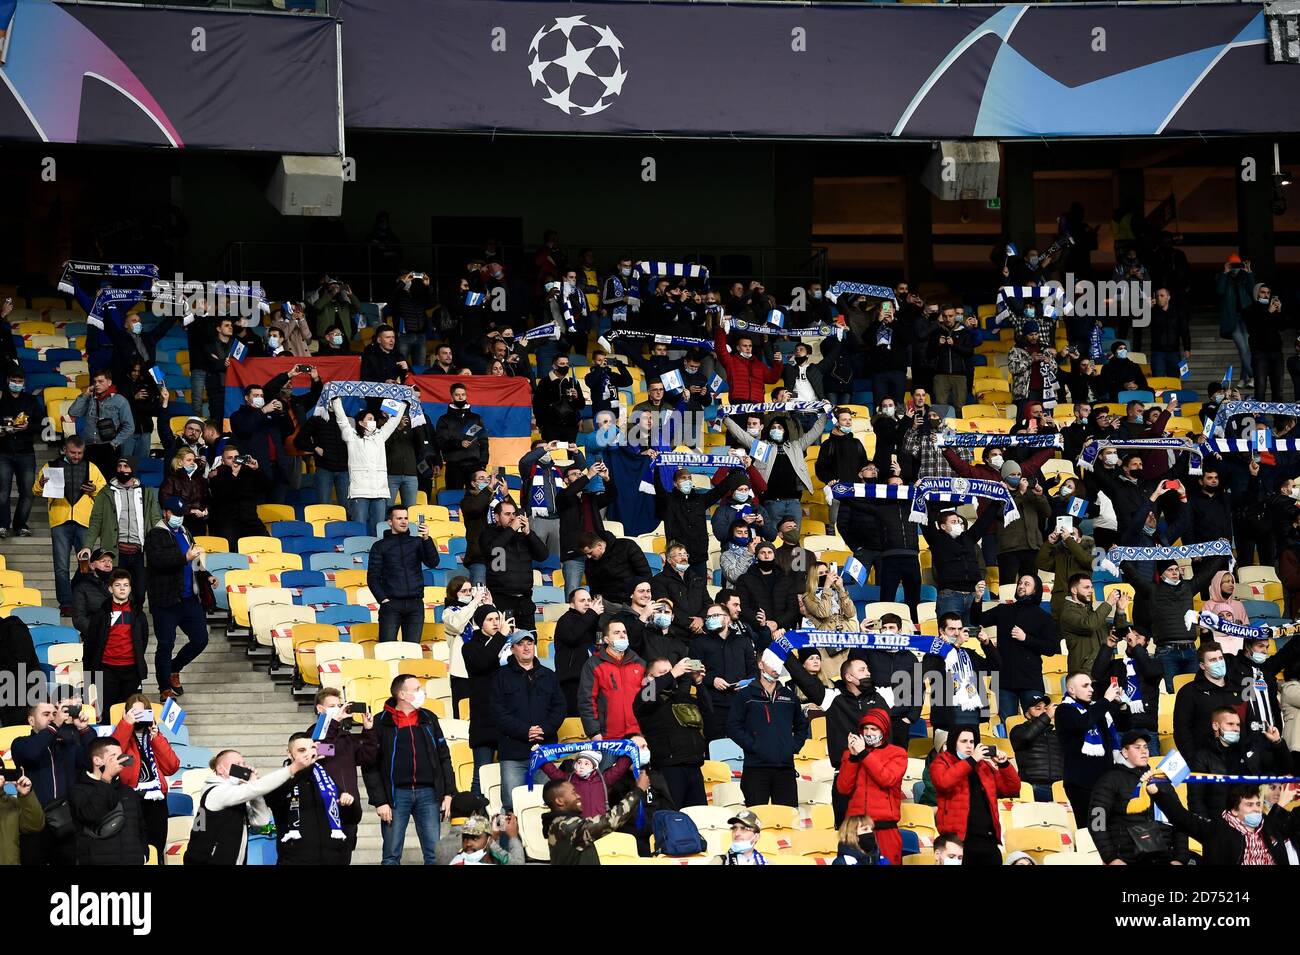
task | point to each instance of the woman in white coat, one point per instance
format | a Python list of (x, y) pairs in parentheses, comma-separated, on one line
[(368, 494)]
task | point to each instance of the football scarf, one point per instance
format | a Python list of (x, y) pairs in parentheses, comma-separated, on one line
[(370, 389), (929, 487), (102, 270)]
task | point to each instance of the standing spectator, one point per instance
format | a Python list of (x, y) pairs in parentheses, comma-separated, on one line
[(382, 362), (228, 807), (347, 753), (174, 563), (1026, 633), (575, 641), (70, 513), (289, 332), (557, 401), (949, 352), (1039, 757), (308, 810), (610, 683), (970, 779), (367, 463), (461, 603), (580, 502), (122, 515), (870, 774), (606, 377), (686, 589), (1198, 701), (104, 422), (482, 491), (955, 554), (114, 644), (542, 480), (1168, 598), (51, 757), (668, 710), (509, 546), (414, 775), (320, 438), (461, 439), (410, 306), (767, 722), (21, 418), (747, 374), (408, 454), (686, 513), (1138, 673), (334, 305), (1171, 337), (20, 815), (841, 457), (1089, 730), (261, 429), (334, 342), (1032, 366), (396, 579), (1123, 836), (90, 588), (593, 784), (95, 798), (1233, 752), (153, 761), (444, 362), (956, 676), (1083, 626), (483, 652), (1247, 832), (215, 359), (236, 485), (147, 402), (186, 480), (768, 597), (614, 565), (785, 472), (1065, 555), (527, 708), (1121, 373), (1018, 541), (1264, 319), (1234, 286), (888, 343)]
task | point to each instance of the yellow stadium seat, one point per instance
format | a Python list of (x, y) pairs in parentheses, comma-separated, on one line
[(23, 596), (617, 844), (213, 545), (270, 513), (349, 578), (979, 411), (915, 816), (364, 669), (1038, 841), (424, 669), (571, 730), (814, 842), (773, 816), (336, 651), (324, 512), (260, 545), (924, 857), (11, 578)]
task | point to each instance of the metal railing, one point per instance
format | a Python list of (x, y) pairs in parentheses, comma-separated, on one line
[(288, 269)]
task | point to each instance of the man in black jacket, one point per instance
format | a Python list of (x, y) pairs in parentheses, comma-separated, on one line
[(1211, 506), (1138, 673), (414, 775), (1243, 834), (173, 561), (842, 457), (686, 590), (954, 550), (461, 439), (727, 652), (557, 400), (509, 548), (308, 810), (395, 577), (614, 564), (1089, 729), (1118, 833), (949, 351), (670, 711), (1233, 752), (381, 361), (1026, 633), (579, 505), (844, 704), (606, 377), (1039, 758), (96, 798), (51, 756), (1253, 670), (527, 708), (342, 753), (1198, 701), (21, 419), (767, 722), (575, 641), (1167, 601), (685, 513), (90, 590), (768, 598)]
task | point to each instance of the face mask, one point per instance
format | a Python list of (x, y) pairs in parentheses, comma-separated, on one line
[(583, 768), (258, 402), (776, 434), (137, 328), (1253, 820), (888, 412), (800, 359), (645, 755), (336, 340), (618, 646), (1294, 492), (951, 860), (956, 530), (740, 541), (1258, 657), (417, 699), (685, 486), (1122, 353), (16, 387), (1149, 531), (497, 274), (472, 857), (191, 468), (175, 521), (714, 623), (663, 620), (867, 842), (368, 427), (1263, 300), (754, 432), (1111, 459), (741, 846), (1013, 480), (1066, 491), (846, 429), (480, 485), (273, 342), (625, 272), (462, 599), (681, 568), (873, 739), (1218, 669), (765, 565), (1231, 736), (996, 461), (743, 496)]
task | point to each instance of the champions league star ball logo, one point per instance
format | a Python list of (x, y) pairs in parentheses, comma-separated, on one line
[(579, 65)]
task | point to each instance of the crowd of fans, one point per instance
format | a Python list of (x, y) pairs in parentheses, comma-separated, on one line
[(667, 660)]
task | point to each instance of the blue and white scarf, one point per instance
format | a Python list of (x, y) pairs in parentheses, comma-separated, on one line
[(929, 487), (967, 439), (860, 288), (1094, 342), (102, 270), (370, 389), (1248, 445), (1132, 687), (884, 336), (551, 752), (537, 502), (1092, 447), (1187, 551), (764, 328), (1093, 742), (1050, 297), (549, 330), (1216, 624), (149, 783), (957, 663), (658, 268), (329, 794), (686, 341), (669, 461), (794, 640), (1230, 408), (763, 407)]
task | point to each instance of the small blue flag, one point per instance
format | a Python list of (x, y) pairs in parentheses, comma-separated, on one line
[(172, 716), (321, 729), (1078, 507), (853, 568), (1011, 249), (1227, 378), (238, 350), (776, 317), (716, 384), (761, 452), (1184, 372), (157, 374), (474, 298), (392, 407), (672, 380)]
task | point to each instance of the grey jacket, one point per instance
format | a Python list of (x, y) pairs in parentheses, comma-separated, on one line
[(794, 446), (87, 410)]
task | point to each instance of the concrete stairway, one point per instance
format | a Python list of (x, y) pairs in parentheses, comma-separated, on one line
[(31, 555), (1211, 355)]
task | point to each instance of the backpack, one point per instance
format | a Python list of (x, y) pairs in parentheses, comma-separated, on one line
[(676, 835)]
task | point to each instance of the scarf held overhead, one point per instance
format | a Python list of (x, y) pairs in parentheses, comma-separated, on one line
[(370, 389), (967, 439), (930, 487), (550, 752), (102, 270), (1092, 447)]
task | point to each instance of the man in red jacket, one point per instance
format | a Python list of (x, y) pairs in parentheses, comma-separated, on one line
[(746, 373), (871, 775)]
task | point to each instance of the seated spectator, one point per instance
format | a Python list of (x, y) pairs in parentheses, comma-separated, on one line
[(746, 827), (289, 332), (486, 842), (1123, 834), (382, 362), (858, 843)]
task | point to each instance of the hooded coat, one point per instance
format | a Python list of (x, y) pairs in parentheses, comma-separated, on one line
[(951, 774), (1021, 660), (1219, 602), (873, 778), (482, 656)]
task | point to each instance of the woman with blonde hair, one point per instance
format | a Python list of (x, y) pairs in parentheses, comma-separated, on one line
[(825, 605), (185, 480), (858, 843)]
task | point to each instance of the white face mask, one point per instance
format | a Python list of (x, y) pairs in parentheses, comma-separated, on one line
[(951, 860), (873, 739), (417, 699), (258, 402), (888, 412), (645, 756), (755, 432), (741, 846), (955, 530), (996, 461), (583, 768), (1111, 459), (472, 857), (368, 427)]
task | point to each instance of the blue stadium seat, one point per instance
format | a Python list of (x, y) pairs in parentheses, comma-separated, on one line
[(306, 545), (303, 578), (180, 804), (330, 561), (358, 545), (344, 529), (291, 529), (33, 616), (323, 595), (343, 615), (216, 562), (52, 633)]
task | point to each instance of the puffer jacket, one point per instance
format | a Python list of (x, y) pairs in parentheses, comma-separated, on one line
[(522, 699), (746, 377), (92, 800), (1038, 751), (1110, 819), (873, 779), (672, 722), (517, 553), (395, 565), (606, 694), (367, 462), (1026, 533), (951, 776), (770, 729), (482, 657)]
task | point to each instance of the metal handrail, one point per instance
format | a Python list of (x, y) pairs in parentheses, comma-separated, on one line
[(372, 267)]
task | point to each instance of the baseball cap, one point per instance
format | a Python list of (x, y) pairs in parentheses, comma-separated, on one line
[(1131, 737), (99, 552), (173, 504), (464, 805), (476, 826), (747, 819), (519, 636)]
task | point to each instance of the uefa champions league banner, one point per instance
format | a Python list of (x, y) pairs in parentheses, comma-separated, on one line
[(176, 78), (910, 72)]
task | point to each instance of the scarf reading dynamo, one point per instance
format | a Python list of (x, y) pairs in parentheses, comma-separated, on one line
[(1230, 408), (370, 389), (669, 461), (657, 268), (860, 288), (550, 752), (102, 270), (929, 487), (968, 439), (822, 330), (793, 640), (686, 341), (1092, 447), (763, 407)]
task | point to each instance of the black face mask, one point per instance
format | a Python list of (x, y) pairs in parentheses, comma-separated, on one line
[(765, 565), (867, 842), (821, 580)]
